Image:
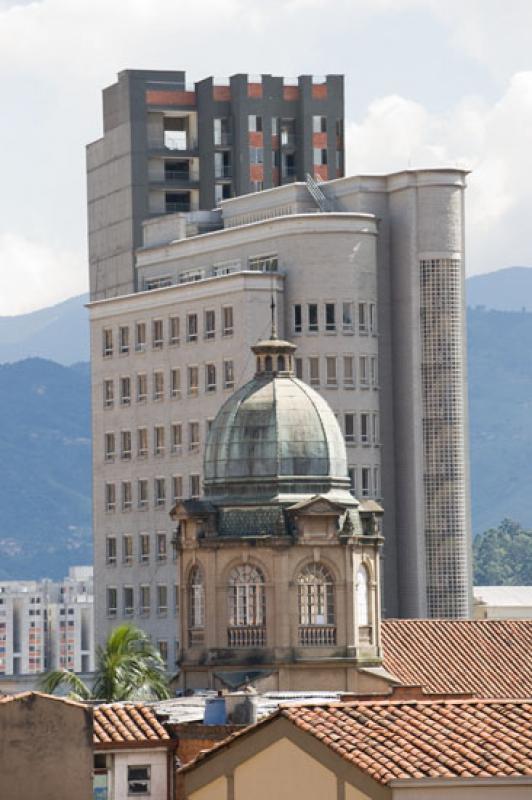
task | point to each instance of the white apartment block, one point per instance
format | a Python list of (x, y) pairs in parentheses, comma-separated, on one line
[(367, 276), (47, 625)]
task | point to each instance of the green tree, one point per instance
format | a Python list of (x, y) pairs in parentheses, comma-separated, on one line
[(128, 667), (503, 556)]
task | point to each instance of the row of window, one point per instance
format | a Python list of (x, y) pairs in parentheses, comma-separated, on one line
[(165, 331), (142, 604), (333, 317), (311, 371), (365, 482), (143, 498), (212, 380), (145, 544)]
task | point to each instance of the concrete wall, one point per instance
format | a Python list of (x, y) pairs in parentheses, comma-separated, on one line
[(45, 749)]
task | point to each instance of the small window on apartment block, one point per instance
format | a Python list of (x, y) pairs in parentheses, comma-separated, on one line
[(210, 377), (313, 317), (175, 384), (298, 319), (365, 436), (194, 485), (108, 393), (127, 549), (142, 387), (349, 427), (330, 365), (265, 263), (110, 497), (365, 481), (123, 339), (177, 438), (158, 440), (111, 601), (162, 599), (349, 371), (314, 370), (140, 337), (144, 549), (210, 324), (193, 436), (127, 496), (177, 487), (363, 372), (142, 493), (347, 317), (125, 391), (254, 123), (330, 317), (319, 124), (193, 380), (229, 374), (362, 318), (144, 600), (299, 368), (158, 385), (161, 547), (142, 442), (372, 311), (227, 320), (109, 446), (160, 492), (128, 598), (174, 330), (192, 328), (157, 334), (125, 445), (110, 554), (107, 343)]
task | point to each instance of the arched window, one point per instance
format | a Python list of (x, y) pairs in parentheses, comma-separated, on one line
[(280, 364), (316, 596), (362, 593), (268, 364), (246, 596), (196, 599)]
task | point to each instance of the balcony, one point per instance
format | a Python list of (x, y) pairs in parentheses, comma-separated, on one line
[(223, 172), (178, 176), (173, 144), (175, 208), (223, 140), (317, 635), (244, 636)]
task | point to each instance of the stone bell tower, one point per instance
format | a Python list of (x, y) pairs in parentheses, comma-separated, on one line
[(279, 563)]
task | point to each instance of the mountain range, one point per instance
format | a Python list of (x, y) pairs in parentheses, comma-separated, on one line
[(45, 423)]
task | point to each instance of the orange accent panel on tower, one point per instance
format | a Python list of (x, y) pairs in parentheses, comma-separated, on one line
[(254, 89), (156, 97), (319, 91)]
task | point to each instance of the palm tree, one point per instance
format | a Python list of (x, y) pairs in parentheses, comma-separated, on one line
[(128, 667)]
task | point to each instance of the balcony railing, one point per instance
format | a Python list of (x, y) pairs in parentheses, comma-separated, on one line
[(317, 635), (173, 143), (223, 172), (223, 139), (174, 208), (196, 637), (246, 636), (176, 176)]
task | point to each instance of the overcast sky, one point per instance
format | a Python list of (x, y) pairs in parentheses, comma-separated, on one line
[(428, 82)]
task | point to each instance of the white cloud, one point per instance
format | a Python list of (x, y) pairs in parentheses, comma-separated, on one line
[(493, 141), (34, 275)]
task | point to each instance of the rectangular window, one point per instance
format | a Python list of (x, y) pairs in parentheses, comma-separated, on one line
[(158, 440), (227, 312), (125, 445), (320, 157), (193, 380), (264, 263), (110, 497), (108, 393), (157, 334), (376, 482), (375, 433), (140, 337), (144, 549), (313, 317), (194, 485), (127, 549), (160, 492), (256, 155), (349, 427), (142, 493), (229, 374), (372, 318), (254, 123), (176, 601), (162, 599), (128, 598), (110, 550), (125, 391), (175, 383), (362, 318), (193, 436), (352, 472), (349, 371), (111, 601), (210, 378), (363, 372), (109, 446), (123, 339), (314, 371), (162, 644), (319, 124), (299, 368), (174, 330), (192, 327), (144, 604), (127, 496), (347, 317), (330, 317), (142, 442), (298, 319), (365, 436), (374, 371), (161, 547), (158, 385), (210, 324), (177, 438), (177, 488), (365, 481), (142, 387), (330, 363), (107, 342)]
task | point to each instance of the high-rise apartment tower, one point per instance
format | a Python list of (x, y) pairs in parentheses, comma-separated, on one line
[(168, 148)]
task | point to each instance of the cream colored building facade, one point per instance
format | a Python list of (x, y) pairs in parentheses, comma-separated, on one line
[(356, 288)]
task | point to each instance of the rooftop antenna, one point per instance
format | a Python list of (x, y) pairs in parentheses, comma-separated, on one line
[(272, 306)]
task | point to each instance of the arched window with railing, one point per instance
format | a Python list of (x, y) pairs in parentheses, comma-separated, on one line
[(362, 597), (196, 605), (247, 607), (317, 621)]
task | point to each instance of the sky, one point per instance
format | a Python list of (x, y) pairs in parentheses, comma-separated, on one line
[(428, 82)]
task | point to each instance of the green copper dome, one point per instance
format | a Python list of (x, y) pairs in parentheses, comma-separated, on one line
[(275, 437)]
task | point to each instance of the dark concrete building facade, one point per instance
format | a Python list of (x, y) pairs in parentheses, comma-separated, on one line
[(171, 148)]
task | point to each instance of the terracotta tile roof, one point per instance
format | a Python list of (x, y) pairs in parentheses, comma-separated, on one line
[(488, 658), (127, 723), (425, 739), (393, 740)]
